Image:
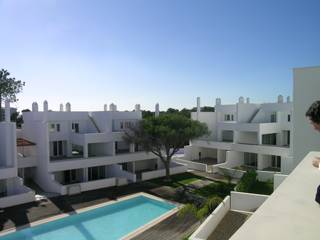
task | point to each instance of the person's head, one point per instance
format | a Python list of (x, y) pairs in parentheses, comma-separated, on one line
[(313, 114)]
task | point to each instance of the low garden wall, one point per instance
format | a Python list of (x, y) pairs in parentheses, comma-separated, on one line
[(162, 172), (278, 179), (248, 202), (210, 224)]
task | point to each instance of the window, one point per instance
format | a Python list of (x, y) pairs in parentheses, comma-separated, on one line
[(273, 117), (95, 173), (128, 124), (3, 188), (251, 159), (121, 125), (51, 127), (269, 139), (70, 176), (276, 161), (75, 127), (57, 148), (54, 127), (289, 118), (232, 117)]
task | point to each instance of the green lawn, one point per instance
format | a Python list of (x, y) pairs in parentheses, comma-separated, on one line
[(177, 180), (219, 189)]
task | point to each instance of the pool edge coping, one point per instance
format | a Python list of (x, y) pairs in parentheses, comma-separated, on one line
[(85, 209)]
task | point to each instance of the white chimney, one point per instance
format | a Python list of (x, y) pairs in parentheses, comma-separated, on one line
[(280, 99), (241, 99), (137, 108), (288, 99), (35, 107), (248, 100), (113, 107), (157, 110), (45, 106), (61, 107), (218, 101), (68, 107), (105, 107)]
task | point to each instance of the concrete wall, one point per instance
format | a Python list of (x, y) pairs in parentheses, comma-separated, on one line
[(306, 85), (245, 111), (247, 137), (246, 201), (192, 165), (102, 183), (161, 173), (278, 179), (212, 221), (8, 152)]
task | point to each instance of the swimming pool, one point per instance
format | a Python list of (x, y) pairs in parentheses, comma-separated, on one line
[(109, 222)]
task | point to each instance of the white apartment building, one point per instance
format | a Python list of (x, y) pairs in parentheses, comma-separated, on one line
[(12, 190), (244, 135), (80, 151)]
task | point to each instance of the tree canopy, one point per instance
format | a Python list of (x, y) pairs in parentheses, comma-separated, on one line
[(9, 87), (165, 135)]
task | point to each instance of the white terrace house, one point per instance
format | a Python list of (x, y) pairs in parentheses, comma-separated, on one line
[(81, 151), (12, 190), (243, 135)]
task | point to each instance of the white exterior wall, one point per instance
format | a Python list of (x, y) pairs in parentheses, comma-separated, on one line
[(98, 132), (212, 221), (250, 122), (306, 84), (247, 202)]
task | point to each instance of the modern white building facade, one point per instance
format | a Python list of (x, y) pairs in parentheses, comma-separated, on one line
[(245, 135), (12, 190), (81, 151)]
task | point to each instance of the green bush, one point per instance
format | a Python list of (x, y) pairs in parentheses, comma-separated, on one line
[(247, 181), (212, 203), (188, 209), (200, 212)]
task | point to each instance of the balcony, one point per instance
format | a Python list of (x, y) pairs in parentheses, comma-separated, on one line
[(16, 194), (72, 163), (291, 211), (86, 138)]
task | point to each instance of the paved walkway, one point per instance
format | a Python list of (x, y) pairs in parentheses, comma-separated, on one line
[(173, 228)]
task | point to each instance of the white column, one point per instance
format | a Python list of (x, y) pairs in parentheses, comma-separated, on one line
[(85, 150), (85, 174), (7, 111), (131, 147), (69, 149)]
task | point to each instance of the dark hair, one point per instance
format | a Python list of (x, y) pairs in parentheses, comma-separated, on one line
[(314, 112)]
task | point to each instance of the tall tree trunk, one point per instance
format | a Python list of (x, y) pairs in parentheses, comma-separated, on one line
[(167, 167)]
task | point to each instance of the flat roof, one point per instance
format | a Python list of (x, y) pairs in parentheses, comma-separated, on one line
[(291, 211)]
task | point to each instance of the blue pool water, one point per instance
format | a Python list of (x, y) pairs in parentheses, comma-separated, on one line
[(105, 223)]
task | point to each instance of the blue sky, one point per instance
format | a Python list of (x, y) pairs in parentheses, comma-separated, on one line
[(148, 51)]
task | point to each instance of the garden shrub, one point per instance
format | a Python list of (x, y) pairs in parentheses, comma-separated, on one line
[(247, 181)]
